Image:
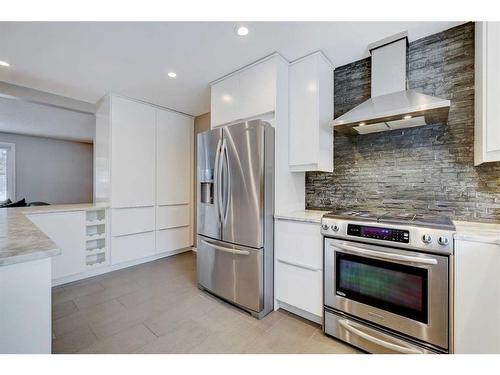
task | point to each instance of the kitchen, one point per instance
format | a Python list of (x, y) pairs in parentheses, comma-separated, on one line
[(328, 200)]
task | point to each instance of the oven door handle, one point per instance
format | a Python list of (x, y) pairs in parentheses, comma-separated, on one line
[(388, 345), (385, 256)]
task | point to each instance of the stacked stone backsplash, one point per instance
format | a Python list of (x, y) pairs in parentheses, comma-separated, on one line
[(427, 168)]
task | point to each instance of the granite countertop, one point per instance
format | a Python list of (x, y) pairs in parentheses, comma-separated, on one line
[(478, 232), (465, 230), (22, 241), (63, 208), (309, 216)]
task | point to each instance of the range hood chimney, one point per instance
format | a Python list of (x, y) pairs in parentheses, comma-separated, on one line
[(391, 105)]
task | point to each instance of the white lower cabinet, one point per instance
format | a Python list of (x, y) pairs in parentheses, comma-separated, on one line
[(67, 230), (476, 297), (132, 220), (173, 216), (131, 247), (171, 239), (299, 268)]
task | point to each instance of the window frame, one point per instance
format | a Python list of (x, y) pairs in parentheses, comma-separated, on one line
[(11, 169)]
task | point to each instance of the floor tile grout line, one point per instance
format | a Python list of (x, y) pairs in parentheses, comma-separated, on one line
[(149, 329)]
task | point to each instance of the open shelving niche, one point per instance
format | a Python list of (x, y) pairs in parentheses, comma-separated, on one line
[(96, 254)]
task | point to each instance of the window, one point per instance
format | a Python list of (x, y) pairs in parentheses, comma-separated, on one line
[(7, 171)]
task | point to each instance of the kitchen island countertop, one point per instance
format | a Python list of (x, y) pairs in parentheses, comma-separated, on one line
[(22, 241)]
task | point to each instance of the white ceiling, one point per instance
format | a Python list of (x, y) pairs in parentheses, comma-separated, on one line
[(85, 60)]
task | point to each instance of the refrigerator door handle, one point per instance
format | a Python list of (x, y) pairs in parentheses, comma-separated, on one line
[(227, 197), (226, 249), (217, 182)]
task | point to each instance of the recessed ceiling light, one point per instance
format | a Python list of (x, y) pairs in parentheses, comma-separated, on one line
[(4, 63), (407, 117), (172, 74), (362, 124), (241, 30)]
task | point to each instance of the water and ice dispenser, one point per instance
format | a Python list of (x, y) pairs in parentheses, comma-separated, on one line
[(207, 186)]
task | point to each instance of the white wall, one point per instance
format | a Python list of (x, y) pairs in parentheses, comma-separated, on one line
[(51, 170)]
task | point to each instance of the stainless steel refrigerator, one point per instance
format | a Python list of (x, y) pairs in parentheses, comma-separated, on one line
[(235, 214)]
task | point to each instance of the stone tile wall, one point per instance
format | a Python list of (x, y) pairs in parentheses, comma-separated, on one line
[(425, 168)]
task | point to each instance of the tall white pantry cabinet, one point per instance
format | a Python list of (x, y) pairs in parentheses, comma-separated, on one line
[(143, 169)]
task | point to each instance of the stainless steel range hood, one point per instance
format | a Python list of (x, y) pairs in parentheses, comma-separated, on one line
[(392, 106)]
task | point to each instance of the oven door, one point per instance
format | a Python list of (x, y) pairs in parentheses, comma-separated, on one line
[(398, 289)]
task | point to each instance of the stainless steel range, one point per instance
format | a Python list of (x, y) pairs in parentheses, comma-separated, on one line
[(387, 280)]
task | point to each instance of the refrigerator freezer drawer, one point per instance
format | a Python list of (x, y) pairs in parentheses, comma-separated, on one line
[(232, 272)]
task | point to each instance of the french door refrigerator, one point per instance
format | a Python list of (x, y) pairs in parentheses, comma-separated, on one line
[(235, 214)]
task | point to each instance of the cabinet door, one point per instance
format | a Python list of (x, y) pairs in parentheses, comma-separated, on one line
[(304, 116), (67, 230), (132, 153), (493, 92), (225, 101), (174, 135), (132, 247), (476, 297), (299, 264), (258, 89)]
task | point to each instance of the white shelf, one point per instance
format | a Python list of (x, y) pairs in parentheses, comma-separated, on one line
[(95, 222), (95, 237), (98, 250)]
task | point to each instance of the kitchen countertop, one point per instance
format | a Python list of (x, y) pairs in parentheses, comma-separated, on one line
[(308, 216), (477, 232), (22, 241), (466, 230)]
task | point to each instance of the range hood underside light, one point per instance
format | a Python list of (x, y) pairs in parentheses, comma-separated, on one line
[(409, 122), (381, 114), (392, 106)]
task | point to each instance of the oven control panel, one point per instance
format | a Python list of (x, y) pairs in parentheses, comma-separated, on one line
[(405, 237), (379, 233)]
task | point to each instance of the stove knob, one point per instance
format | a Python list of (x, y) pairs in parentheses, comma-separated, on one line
[(426, 238), (335, 228), (325, 226), (443, 241)]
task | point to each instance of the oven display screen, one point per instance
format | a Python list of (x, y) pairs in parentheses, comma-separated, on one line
[(378, 233)]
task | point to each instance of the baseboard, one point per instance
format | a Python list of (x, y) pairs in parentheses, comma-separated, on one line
[(116, 267), (302, 313)]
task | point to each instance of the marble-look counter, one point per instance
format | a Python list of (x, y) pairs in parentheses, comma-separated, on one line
[(477, 232), (308, 216), (466, 230), (22, 241)]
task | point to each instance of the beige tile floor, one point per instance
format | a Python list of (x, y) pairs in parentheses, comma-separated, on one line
[(157, 308)]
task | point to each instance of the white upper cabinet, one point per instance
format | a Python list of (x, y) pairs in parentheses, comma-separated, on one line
[(133, 128), (311, 112), (224, 100), (245, 94), (487, 95), (258, 89), (174, 134)]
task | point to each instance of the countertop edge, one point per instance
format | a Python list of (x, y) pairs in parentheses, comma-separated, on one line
[(477, 232), (305, 216), (25, 258)]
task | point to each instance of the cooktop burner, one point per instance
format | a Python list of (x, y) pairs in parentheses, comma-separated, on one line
[(406, 218)]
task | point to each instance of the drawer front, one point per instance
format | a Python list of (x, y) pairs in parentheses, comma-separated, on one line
[(172, 216), (173, 239), (132, 220), (299, 243), (299, 287), (131, 247)]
